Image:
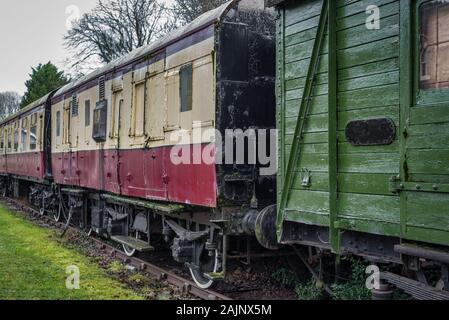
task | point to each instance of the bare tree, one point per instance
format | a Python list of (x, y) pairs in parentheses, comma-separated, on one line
[(188, 10), (116, 27), (9, 103)]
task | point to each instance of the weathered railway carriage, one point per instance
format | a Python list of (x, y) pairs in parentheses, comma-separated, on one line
[(21, 143), (99, 150), (363, 113)]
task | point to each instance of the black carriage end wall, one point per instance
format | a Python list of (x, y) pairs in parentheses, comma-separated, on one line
[(245, 98)]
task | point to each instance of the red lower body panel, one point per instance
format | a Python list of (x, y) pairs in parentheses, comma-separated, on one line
[(30, 165), (147, 174)]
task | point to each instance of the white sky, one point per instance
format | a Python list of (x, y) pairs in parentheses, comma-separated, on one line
[(31, 32)]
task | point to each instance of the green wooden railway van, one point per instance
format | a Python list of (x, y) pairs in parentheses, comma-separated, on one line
[(363, 118)]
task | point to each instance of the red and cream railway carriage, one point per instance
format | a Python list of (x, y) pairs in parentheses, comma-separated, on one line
[(98, 152)]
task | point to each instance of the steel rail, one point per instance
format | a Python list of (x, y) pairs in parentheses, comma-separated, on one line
[(186, 286)]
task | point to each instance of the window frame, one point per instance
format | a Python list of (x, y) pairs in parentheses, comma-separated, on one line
[(429, 96), (2, 139), (24, 134), (58, 123), (100, 121), (137, 111), (33, 126), (9, 142), (87, 114), (16, 137), (188, 106)]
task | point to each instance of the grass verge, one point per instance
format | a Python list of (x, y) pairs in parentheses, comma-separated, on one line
[(33, 266)]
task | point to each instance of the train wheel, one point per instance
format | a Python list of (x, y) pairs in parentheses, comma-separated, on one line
[(206, 264), (130, 252), (57, 214)]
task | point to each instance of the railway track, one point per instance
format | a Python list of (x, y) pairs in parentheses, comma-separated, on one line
[(186, 286)]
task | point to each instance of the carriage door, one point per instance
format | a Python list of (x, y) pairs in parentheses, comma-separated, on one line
[(70, 139), (112, 166), (156, 187), (75, 170), (425, 182)]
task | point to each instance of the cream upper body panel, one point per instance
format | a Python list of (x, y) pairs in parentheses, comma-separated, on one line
[(144, 105), (148, 104), (24, 134)]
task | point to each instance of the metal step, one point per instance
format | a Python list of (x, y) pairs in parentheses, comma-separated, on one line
[(134, 243)]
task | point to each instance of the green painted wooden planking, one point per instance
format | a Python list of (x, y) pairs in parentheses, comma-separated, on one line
[(345, 116), (365, 183), (427, 235), (298, 83), (304, 11), (298, 69), (309, 201), (314, 123), (368, 53), (428, 142), (364, 70), (370, 226), (428, 161), (319, 181), (369, 163), (301, 37), (347, 148), (349, 8), (360, 35), (302, 26), (368, 74), (369, 81), (312, 161), (313, 218), (321, 148), (302, 50), (428, 210), (369, 207), (382, 96), (431, 178), (386, 11), (428, 136), (429, 114), (309, 138), (358, 183), (296, 94), (299, 51), (342, 3)]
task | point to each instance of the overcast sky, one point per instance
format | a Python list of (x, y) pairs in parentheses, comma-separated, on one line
[(31, 32)]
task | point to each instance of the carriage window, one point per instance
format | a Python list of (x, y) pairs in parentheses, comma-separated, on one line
[(33, 137), (9, 139), (33, 132), (87, 113), (24, 134), (100, 121), (434, 45), (16, 139), (186, 87), (138, 109), (2, 141), (58, 123)]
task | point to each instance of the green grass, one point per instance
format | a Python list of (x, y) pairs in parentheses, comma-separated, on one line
[(33, 266)]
